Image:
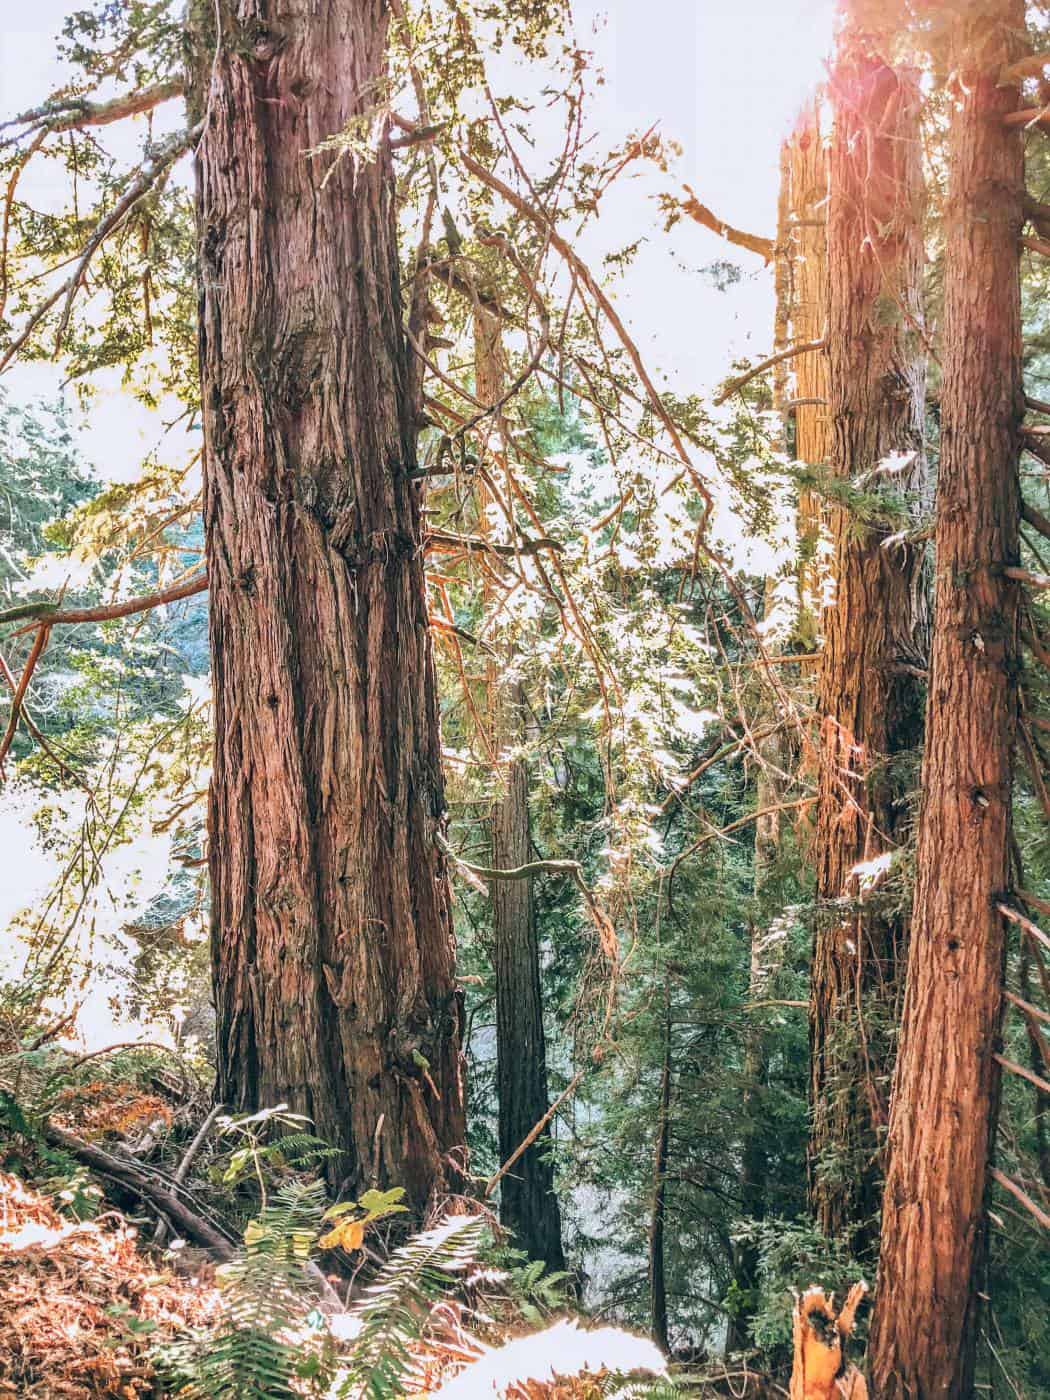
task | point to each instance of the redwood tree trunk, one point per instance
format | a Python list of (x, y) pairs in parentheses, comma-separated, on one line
[(528, 1203), (870, 700), (331, 929), (945, 1099)]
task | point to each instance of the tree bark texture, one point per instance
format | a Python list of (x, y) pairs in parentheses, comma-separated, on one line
[(946, 1088), (804, 241), (528, 1203), (332, 936), (876, 628)]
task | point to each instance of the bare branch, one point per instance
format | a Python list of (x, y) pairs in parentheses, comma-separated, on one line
[(1031, 66), (764, 247), (1028, 116), (444, 540), (50, 614), (36, 651), (1027, 576), (1027, 1007), (1043, 1085), (74, 113), (802, 348), (1035, 518), (1020, 1195)]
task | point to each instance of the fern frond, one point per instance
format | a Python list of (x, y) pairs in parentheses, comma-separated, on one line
[(395, 1307), (254, 1353)]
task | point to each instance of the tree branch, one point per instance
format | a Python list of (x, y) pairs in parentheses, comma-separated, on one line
[(36, 651), (1041, 1084), (1019, 1195), (1031, 66), (764, 247), (50, 614), (802, 348), (74, 113), (163, 157)]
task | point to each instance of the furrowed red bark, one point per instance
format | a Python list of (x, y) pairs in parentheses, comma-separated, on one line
[(331, 926), (870, 700), (946, 1089)]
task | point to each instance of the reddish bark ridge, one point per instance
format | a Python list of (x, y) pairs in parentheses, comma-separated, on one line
[(871, 698), (331, 926), (946, 1089)]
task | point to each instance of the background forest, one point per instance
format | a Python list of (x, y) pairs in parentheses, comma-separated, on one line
[(470, 775)]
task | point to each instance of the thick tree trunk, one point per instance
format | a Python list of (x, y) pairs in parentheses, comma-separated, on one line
[(331, 926), (870, 700), (946, 1089), (528, 1203)]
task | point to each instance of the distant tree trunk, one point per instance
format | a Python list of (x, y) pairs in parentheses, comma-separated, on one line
[(528, 1203), (946, 1089), (331, 926), (870, 699), (800, 315), (658, 1325), (806, 243)]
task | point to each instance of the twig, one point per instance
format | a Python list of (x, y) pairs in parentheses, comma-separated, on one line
[(534, 1133), (188, 1158), (35, 653)]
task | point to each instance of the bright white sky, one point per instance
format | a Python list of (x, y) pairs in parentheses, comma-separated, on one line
[(722, 77)]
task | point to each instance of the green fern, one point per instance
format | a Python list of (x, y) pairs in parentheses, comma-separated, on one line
[(254, 1354), (396, 1306)]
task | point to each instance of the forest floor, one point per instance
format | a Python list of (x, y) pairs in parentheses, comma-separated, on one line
[(81, 1304)]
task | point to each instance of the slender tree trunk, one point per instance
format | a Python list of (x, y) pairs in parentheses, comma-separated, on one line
[(946, 1089), (805, 240), (658, 1207), (331, 927), (528, 1203), (800, 267), (876, 628)]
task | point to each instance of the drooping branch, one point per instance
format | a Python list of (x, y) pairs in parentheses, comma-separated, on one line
[(692, 206)]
